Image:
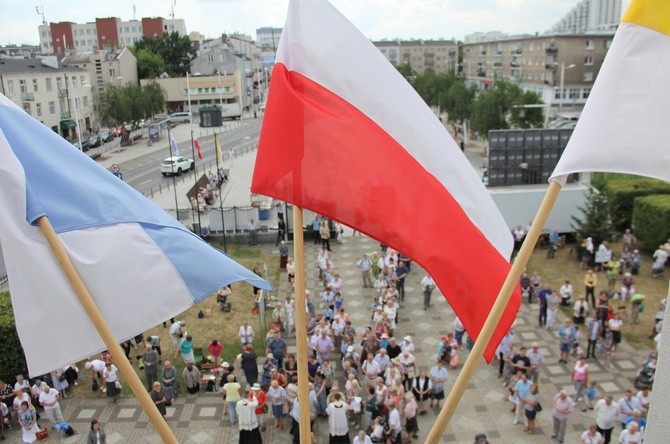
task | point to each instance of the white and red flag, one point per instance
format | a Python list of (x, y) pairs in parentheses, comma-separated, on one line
[(346, 136), (197, 147)]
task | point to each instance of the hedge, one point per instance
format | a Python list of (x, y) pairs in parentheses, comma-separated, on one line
[(622, 191), (652, 220), (12, 360)]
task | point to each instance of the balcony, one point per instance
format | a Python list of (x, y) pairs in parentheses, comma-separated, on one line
[(27, 97), (62, 92)]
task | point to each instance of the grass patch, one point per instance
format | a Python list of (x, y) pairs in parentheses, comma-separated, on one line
[(565, 265), (221, 326)]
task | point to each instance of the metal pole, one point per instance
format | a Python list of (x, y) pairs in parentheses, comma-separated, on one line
[(76, 111), (195, 183), (560, 94), (174, 183), (223, 224)]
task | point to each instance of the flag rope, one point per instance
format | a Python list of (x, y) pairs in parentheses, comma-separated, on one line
[(495, 315), (105, 332), (301, 325)]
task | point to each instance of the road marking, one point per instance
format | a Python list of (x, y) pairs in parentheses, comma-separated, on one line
[(145, 182)]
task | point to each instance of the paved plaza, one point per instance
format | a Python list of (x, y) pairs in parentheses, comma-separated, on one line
[(199, 418)]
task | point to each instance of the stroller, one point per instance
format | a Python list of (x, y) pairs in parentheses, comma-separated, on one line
[(223, 302), (644, 378)]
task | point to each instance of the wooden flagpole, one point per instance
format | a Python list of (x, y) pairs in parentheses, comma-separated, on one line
[(495, 315), (105, 332), (301, 325)]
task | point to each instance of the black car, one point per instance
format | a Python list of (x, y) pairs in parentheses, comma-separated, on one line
[(106, 136), (94, 141)]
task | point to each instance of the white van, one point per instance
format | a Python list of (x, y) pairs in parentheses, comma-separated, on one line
[(180, 117)]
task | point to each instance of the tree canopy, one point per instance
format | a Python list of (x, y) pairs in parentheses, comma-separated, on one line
[(130, 103), (175, 51)]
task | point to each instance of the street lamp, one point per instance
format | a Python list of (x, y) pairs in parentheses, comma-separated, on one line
[(563, 68), (75, 99)]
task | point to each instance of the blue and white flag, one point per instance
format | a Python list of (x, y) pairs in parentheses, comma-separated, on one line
[(173, 145), (140, 265)]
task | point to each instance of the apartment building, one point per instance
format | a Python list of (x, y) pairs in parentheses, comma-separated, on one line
[(115, 66), (590, 16), (540, 63), (439, 56), (203, 90), (103, 33), (56, 95)]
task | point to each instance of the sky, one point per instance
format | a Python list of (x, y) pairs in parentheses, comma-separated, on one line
[(377, 19)]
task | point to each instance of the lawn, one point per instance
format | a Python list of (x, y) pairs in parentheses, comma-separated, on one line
[(222, 326), (565, 265)]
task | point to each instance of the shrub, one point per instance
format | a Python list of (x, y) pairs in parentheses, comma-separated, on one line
[(12, 360), (622, 191), (652, 219)]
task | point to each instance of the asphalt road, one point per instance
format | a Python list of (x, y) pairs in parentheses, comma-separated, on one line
[(143, 174)]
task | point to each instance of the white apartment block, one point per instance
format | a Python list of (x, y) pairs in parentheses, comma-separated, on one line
[(53, 94)]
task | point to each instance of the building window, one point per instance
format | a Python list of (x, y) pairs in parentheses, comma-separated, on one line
[(607, 43), (26, 107), (52, 107), (82, 79), (36, 87), (38, 109), (588, 60), (589, 44), (85, 101), (10, 87), (49, 84), (23, 87), (112, 74), (61, 106), (585, 93), (588, 77), (574, 93)]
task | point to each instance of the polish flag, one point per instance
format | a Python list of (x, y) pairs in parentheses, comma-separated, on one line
[(346, 136), (197, 147)]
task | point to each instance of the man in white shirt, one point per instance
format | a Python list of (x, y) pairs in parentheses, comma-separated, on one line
[(383, 360), (371, 369), (427, 287), (607, 412), (49, 400), (536, 360), (176, 333), (337, 419), (627, 404)]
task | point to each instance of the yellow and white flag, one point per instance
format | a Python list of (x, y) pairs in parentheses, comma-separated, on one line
[(219, 156), (625, 125)]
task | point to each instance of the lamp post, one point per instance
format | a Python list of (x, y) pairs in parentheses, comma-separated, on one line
[(560, 95), (75, 99)]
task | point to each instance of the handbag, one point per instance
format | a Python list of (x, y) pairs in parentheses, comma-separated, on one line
[(538, 407), (118, 385), (42, 434)]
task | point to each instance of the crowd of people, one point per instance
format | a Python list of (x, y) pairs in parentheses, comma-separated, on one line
[(365, 381)]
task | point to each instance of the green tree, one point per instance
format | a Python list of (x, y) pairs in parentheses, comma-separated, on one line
[(176, 51), (12, 359), (130, 103), (595, 221), (406, 70), (459, 101), (502, 105), (149, 64)]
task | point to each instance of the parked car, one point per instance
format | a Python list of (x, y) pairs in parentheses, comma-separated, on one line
[(159, 117), (180, 118), (84, 145), (176, 165), (94, 141), (106, 136)]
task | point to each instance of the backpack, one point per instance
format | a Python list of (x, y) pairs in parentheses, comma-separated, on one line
[(94, 385)]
